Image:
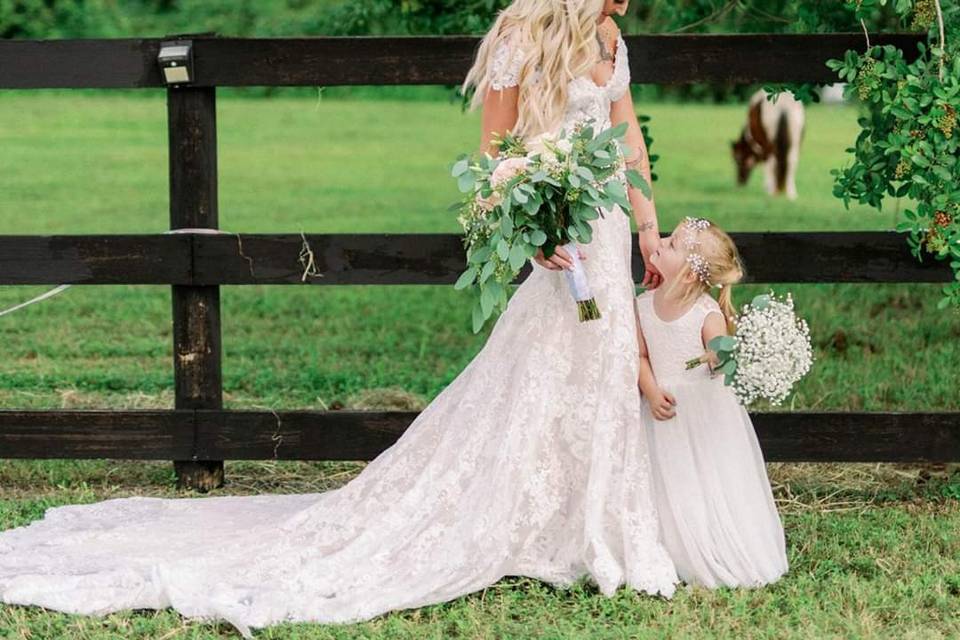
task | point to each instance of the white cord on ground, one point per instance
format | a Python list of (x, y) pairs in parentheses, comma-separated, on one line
[(42, 296)]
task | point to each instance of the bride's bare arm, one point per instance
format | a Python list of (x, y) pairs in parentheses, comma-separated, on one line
[(499, 116), (644, 210)]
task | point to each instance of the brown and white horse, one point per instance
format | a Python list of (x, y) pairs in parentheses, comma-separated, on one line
[(772, 136)]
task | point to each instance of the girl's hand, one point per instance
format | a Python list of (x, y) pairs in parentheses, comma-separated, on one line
[(662, 405), (559, 260), (648, 241)]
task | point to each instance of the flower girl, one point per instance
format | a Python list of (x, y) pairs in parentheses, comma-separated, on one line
[(718, 519)]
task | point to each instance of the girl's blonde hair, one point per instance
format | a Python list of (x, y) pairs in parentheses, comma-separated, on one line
[(559, 37), (724, 267)]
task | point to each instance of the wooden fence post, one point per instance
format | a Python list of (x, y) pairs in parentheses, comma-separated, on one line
[(192, 130)]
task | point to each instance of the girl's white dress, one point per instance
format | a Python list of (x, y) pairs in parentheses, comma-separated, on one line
[(528, 463), (717, 515)]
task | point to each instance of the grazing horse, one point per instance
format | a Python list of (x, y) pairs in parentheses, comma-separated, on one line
[(771, 135)]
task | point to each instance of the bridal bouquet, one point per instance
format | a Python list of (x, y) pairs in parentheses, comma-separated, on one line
[(769, 352), (537, 194)]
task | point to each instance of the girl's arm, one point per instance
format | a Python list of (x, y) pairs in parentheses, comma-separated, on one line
[(661, 402)]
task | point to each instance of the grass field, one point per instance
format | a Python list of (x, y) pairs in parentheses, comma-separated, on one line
[(873, 548)]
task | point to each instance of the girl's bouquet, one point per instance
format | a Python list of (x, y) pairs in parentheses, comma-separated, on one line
[(537, 194), (769, 352)]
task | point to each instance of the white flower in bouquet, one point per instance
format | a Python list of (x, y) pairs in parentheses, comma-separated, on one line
[(768, 354), (506, 169)]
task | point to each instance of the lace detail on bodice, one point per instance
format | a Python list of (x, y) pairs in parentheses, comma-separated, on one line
[(585, 98), (671, 344)]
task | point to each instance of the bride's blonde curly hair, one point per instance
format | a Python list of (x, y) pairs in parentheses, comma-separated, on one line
[(559, 37)]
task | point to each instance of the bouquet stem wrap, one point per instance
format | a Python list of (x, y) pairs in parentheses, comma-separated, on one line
[(579, 286)]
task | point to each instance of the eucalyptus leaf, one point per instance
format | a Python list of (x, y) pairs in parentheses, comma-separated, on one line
[(465, 182), (466, 278), (506, 225), (487, 271), (460, 167), (480, 255), (503, 249), (517, 256), (478, 317), (722, 343), (487, 300)]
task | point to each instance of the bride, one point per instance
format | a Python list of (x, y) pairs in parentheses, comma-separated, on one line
[(531, 462)]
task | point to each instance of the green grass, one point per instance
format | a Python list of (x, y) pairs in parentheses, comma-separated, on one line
[(872, 547)]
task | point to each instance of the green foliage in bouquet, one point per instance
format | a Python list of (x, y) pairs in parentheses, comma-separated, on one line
[(529, 198)]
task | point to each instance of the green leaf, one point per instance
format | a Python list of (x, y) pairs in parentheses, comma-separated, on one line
[(517, 256), (503, 249), (722, 343), (480, 255), (506, 225), (487, 271), (615, 191), (585, 173), (634, 178), (487, 299), (466, 278), (460, 166), (531, 206), (728, 367), (465, 182), (478, 318), (538, 237)]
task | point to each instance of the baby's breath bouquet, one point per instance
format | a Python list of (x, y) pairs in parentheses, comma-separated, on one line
[(537, 194), (768, 353)]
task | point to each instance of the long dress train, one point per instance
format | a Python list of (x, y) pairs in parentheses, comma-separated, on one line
[(531, 462)]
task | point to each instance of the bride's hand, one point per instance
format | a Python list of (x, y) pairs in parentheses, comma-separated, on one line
[(559, 260), (648, 241)]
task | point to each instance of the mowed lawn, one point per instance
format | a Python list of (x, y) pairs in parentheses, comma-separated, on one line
[(873, 548)]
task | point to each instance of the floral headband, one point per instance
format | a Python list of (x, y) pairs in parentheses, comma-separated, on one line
[(697, 262)]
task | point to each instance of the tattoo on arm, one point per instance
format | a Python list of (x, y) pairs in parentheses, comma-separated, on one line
[(645, 225)]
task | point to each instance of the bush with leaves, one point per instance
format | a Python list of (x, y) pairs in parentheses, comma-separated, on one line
[(908, 144)]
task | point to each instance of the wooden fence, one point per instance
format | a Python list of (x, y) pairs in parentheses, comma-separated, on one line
[(198, 434)]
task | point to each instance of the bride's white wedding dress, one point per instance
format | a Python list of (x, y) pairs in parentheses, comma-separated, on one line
[(531, 462)]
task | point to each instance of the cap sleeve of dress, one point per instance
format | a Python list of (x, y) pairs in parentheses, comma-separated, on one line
[(505, 63), (707, 305), (620, 81)]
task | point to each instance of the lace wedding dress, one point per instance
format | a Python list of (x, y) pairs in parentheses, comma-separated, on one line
[(531, 462)]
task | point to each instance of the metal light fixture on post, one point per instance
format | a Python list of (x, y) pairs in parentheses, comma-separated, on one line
[(176, 61)]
